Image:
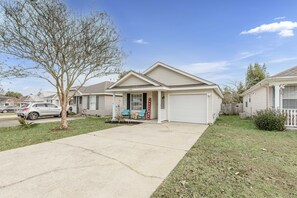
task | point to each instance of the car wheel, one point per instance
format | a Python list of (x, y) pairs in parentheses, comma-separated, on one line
[(33, 116), (4, 111)]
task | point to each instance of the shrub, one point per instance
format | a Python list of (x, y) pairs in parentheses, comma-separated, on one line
[(270, 120), (26, 124), (71, 113)]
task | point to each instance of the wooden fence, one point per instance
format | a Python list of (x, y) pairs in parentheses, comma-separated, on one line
[(232, 109)]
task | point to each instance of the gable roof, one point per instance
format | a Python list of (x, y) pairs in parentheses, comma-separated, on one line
[(33, 98), (289, 72), (96, 88), (46, 93), (157, 64), (156, 85), (138, 75)]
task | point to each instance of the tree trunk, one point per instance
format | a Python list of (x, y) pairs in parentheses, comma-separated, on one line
[(64, 123)]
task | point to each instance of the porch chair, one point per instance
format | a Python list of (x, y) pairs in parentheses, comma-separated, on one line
[(126, 112), (142, 114)]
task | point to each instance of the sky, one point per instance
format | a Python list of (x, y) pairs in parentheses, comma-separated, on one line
[(212, 39)]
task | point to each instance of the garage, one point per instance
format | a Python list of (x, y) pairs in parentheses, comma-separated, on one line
[(190, 108)]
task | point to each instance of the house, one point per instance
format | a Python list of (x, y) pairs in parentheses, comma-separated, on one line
[(276, 92), (5, 101), (43, 96), (10, 101), (167, 93), (94, 99)]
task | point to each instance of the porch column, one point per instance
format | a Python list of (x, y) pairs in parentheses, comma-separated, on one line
[(159, 106), (276, 96), (113, 106)]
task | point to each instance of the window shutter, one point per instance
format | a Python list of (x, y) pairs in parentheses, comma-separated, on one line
[(88, 102), (97, 102), (144, 97), (128, 101)]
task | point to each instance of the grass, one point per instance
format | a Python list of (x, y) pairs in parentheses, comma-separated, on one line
[(14, 137), (234, 159)]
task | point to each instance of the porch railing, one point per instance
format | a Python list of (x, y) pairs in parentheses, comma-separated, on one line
[(291, 117)]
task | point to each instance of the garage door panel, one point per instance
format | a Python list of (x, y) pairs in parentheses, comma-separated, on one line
[(188, 108)]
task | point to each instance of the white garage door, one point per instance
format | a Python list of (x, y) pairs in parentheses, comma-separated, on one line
[(188, 108)]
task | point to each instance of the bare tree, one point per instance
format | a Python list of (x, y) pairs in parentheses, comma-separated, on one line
[(63, 48), (1, 89), (232, 92)]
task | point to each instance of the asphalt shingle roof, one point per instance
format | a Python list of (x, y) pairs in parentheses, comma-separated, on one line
[(96, 88), (289, 72)]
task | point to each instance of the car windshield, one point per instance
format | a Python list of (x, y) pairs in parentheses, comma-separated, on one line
[(24, 105)]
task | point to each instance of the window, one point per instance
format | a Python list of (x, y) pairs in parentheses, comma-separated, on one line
[(97, 102), (250, 98), (40, 105), (290, 97), (136, 102), (162, 100), (88, 102), (24, 105), (51, 106), (92, 103), (246, 104)]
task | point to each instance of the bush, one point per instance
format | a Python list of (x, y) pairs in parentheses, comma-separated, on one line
[(71, 113), (25, 124), (270, 120)]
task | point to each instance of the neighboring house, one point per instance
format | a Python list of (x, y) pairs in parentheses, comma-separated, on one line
[(10, 101), (94, 99), (43, 96), (5, 101), (276, 92), (50, 97), (169, 94)]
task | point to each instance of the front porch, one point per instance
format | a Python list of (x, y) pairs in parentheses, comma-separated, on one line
[(154, 121), (143, 106), (283, 97)]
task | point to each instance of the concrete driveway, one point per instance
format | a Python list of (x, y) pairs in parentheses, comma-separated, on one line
[(127, 161)]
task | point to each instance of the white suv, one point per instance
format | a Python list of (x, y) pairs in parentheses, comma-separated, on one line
[(33, 111)]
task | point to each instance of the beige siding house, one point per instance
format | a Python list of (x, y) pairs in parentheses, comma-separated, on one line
[(94, 100), (169, 94), (276, 92), (43, 96)]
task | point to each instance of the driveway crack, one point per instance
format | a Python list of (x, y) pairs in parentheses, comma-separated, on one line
[(120, 139), (111, 158), (44, 173)]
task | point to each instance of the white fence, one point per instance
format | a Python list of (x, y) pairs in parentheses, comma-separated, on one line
[(291, 117)]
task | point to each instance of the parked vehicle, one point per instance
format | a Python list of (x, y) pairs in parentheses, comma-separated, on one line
[(6, 109), (35, 110)]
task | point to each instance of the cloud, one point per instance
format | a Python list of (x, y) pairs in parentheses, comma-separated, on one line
[(140, 41), (26, 88), (279, 18), (283, 28), (248, 54), (280, 60), (206, 67)]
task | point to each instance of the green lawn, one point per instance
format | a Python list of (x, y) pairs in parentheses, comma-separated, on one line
[(234, 159), (13, 137)]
